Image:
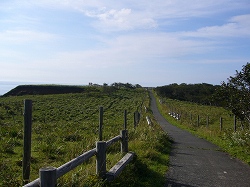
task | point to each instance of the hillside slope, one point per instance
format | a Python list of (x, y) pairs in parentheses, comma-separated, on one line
[(43, 90)]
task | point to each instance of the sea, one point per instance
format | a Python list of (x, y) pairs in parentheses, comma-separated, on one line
[(6, 86)]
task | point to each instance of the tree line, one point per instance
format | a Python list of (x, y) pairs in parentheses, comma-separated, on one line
[(199, 93), (233, 95)]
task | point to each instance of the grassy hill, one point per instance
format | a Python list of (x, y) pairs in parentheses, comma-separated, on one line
[(66, 125), (43, 90)]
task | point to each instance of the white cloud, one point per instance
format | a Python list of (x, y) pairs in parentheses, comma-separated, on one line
[(112, 18), (147, 14), (127, 15), (125, 51), (22, 36), (17, 19), (237, 26), (177, 8), (158, 45), (123, 19)]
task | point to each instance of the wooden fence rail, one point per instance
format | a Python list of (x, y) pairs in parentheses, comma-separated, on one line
[(48, 176), (99, 152)]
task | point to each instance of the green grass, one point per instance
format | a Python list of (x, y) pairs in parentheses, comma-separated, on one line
[(237, 144), (66, 125)]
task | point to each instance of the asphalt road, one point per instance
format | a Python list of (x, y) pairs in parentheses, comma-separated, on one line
[(196, 162)]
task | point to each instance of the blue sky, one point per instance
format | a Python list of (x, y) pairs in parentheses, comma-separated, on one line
[(151, 43)]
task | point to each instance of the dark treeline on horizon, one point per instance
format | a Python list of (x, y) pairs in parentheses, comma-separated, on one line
[(64, 89), (202, 93)]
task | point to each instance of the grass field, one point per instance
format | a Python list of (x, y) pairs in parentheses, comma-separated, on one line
[(66, 125), (236, 143)]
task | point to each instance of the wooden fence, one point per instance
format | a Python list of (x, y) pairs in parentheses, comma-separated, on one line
[(48, 176), (180, 116)]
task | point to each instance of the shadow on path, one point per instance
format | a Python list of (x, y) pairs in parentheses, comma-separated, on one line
[(171, 183)]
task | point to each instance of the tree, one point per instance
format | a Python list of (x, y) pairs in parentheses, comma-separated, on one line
[(236, 93), (198, 93)]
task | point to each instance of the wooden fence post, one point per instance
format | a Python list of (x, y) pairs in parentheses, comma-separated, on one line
[(207, 121), (134, 121), (198, 120), (27, 140), (101, 159), (125, 119), (47, 177), (136, 118), (100, 123), (220, 123), (241, 125), (235, 124), (124, 141)]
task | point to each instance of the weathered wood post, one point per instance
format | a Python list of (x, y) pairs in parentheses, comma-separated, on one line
[(235, 124), (101, 159), (134, 121), (27, 140), (100, 122), (220, 123), (207, 121), (47, 177), (124, 141), (241, 125), (198, 120), (136, 118), (125, 119)]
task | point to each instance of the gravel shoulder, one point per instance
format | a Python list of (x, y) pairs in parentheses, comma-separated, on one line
[(196, 162)]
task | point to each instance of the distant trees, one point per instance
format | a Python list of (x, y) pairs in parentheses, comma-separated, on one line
[(114, 86), (235, 94), (125, 85), (117, 85), (198, 93)]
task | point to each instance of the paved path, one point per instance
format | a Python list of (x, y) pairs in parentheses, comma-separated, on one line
[(195, 162)]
